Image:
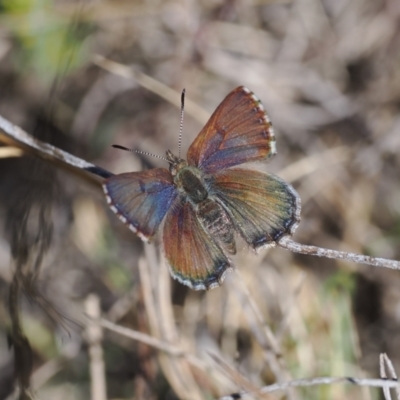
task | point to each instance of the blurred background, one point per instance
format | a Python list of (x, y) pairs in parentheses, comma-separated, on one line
[(88, 74)]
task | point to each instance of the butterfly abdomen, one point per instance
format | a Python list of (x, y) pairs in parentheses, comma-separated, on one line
[(191, 183), (217, 222)]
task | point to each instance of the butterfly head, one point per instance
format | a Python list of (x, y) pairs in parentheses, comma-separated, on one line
[(175, 163)]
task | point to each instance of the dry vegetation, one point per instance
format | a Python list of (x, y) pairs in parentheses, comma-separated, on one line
[(327, 71)]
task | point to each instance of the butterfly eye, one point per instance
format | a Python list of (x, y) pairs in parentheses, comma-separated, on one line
[(172, 170)]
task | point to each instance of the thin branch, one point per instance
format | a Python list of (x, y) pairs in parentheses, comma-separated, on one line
[(327, 380), (288, 244), (15, 136), (324, 380)]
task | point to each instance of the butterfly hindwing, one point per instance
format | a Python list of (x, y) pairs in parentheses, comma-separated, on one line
[(194, 258), (239, 131), (141, 199), (262, 206)]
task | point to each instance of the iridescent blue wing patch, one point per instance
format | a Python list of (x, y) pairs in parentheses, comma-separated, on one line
[(141, 199)]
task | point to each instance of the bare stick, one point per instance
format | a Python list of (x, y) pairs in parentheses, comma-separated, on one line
[(289, 244), (327, 380), (17, 137), (324, 380)]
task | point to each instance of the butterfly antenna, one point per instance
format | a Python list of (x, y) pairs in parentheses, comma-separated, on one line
[(181, 124), (145, 153)]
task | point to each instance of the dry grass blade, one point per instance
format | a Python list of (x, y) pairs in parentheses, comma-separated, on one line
[(6, 152), (240, 380), (316, 162), (94, 336), (151, 84), (260, 329), (158, 305), (386, 363)]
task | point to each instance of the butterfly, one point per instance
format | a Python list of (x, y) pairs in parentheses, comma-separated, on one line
[(204, 202)]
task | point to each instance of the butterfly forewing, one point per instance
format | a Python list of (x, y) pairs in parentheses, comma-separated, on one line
[(194, 258), (141, 199), (239, 131), (262, 207)]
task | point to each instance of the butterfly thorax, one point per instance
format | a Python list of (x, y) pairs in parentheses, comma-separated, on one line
[(191, 184), (189, 180)]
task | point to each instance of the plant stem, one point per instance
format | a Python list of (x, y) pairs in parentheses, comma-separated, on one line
[(289, 244)]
